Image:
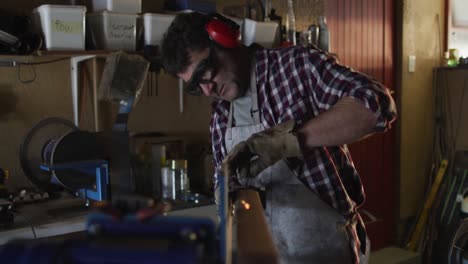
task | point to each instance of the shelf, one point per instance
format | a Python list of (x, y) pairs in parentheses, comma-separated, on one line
[(67, 53), (11, 60), (82, 52)]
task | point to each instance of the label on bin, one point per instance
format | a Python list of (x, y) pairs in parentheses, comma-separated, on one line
[(69, 27), (122, 32)]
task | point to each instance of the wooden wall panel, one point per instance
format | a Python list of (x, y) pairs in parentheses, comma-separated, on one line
[(47, 94), (361, 37), (161, 113)]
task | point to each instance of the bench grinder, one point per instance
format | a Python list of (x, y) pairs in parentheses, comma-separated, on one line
[(56, 154)]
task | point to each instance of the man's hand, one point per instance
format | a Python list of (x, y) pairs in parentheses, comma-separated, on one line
[(261, 150)]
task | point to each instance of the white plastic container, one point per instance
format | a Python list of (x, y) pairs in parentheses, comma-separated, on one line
[(118, 6), (62, 26), (263, 33), (459, 13), (113, 31), (155, 25)]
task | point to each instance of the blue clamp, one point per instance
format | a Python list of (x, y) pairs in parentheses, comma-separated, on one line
[(99, 168)]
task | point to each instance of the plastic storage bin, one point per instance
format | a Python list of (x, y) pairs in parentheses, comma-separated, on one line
[(155, 25), (62, 27), (118, 6), (459, 13), (113, 31), (263, 33)]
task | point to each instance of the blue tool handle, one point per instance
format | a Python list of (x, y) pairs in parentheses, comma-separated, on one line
[(223, 217)]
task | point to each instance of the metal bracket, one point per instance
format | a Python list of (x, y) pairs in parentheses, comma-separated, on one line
[(99, 168), (74, 83)]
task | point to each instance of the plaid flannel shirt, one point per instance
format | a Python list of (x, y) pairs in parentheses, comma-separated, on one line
[(300, 83)]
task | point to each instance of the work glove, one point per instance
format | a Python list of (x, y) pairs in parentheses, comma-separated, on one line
[(248, 158)]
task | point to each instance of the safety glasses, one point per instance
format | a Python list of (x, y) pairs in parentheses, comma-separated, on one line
[(204, 73)]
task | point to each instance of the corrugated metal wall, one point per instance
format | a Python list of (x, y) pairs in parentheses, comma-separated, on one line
[(361, 35)]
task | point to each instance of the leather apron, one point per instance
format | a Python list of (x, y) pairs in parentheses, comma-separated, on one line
[(304, 228)]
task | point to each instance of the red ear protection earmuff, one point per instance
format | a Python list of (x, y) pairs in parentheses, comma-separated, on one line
[(223, 31)]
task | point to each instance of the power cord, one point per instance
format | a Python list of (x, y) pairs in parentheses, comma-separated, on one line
[(45, 62), (32, 64), (25, 81)]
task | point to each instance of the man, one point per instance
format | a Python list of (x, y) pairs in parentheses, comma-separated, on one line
[(280, 122)]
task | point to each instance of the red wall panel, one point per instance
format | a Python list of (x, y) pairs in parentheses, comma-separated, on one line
[(361, 35)]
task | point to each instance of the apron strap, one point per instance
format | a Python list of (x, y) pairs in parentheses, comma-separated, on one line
[(229, 124), (357, 230), (254, 111)]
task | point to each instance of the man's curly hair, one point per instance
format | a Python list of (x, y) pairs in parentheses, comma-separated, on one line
[(186, 32)]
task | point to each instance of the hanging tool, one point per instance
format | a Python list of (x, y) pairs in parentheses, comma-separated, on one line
[(152, 83), (181, 96), (151, 53)]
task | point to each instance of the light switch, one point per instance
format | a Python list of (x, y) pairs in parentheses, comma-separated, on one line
[(411, 63)]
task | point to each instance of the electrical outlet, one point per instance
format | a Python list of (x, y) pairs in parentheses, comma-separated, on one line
[(411, 63)]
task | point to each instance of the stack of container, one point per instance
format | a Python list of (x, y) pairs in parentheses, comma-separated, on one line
[(263, 33), (114, 24), (118, 25)]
